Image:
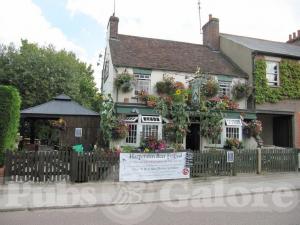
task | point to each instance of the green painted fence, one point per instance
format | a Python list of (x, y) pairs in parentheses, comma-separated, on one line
[(208, 163), (213, 163), (246, 161), (92, 166), (279, 160)]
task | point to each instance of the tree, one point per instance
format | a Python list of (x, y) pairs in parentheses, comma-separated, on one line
[(40, 73), (9, 118)]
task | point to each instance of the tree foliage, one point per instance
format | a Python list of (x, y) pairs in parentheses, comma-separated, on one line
[(40, 73), (9, 118)]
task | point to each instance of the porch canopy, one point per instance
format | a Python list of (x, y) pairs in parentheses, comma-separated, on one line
[(59, 107)]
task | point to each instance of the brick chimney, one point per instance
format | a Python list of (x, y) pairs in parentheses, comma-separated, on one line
[(294, 38), (211, 34), (113, 27)]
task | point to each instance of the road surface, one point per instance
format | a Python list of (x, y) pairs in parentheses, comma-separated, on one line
[(260, 209)]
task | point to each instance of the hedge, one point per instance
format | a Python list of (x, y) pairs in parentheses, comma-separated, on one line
[(10, 103)]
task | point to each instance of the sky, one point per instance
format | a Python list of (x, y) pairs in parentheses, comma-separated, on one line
[(80, 25)]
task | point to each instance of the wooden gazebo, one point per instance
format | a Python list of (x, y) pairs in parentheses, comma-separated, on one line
[(79, 125)]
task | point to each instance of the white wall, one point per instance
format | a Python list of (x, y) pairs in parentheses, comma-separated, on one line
[(156, 75)]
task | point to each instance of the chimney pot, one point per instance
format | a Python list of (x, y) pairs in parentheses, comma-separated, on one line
[(210, 17), (294, 35)]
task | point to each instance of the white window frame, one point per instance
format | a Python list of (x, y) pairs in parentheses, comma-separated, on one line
[(212, 142), (150, 130), (132, 122), (132, 137), (151, 119), (224, 86), (140, 121), (273, 83), (234, 124), (143, 78), (227, 123)]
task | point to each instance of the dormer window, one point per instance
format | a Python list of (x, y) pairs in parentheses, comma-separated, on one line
[(272, 73)]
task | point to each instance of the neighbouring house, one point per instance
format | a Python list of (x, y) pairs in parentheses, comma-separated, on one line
[(150, 61), (294, 38), (61, 120), (274, 71)]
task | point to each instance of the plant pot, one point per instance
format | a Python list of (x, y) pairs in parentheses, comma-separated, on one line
[(126, 100), (151, 104)]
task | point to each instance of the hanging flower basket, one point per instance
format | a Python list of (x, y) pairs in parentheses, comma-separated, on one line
[(120, 131), (166, 86), (125, 82), (59, 124), (240, 91), (210, 88)]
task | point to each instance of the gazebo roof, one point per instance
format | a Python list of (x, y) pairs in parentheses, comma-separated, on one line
[(61, 105)]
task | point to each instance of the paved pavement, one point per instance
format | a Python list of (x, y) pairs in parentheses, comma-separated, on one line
[(164, 213), (31, 196)]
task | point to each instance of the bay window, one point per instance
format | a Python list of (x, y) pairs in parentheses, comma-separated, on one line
[(233, 129), (142, 127)]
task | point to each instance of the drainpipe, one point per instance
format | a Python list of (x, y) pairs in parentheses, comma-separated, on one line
[(253, 56)]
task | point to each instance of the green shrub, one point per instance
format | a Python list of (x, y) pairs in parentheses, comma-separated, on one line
[(9, 118)]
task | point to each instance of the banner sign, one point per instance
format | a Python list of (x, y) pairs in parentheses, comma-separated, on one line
[(153, 166)]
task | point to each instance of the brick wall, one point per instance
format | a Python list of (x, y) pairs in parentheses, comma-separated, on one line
[(211, 35), (297, 129)]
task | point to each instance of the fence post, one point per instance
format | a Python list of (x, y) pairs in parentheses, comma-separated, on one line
[(259, 161), (74, 166)]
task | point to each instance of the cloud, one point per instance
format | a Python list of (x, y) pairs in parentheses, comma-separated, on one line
[(24, 20), (178, 19)]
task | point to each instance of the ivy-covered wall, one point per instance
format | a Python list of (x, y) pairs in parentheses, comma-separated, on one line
[(289, 75)]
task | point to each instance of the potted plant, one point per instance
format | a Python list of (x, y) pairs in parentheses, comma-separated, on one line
[(240, 90), (120, 130), (232, 143), (210, 88), (255, 127), (125, 82), (151, 100), (143, 96)]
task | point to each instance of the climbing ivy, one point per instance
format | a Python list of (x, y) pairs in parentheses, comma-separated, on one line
[(289, 74)]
